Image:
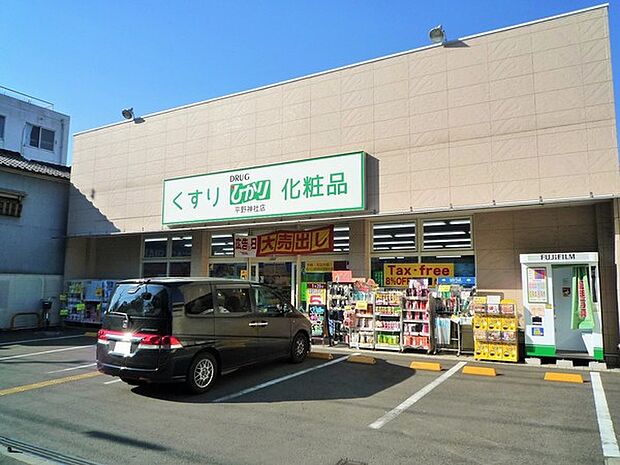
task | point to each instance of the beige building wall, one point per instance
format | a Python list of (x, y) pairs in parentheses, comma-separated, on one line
[(605, 224), (360, 245), (103, 257), (510, 116)]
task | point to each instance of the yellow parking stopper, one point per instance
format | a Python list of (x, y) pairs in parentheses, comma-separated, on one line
[(362, 359), (564, 377), (479, 371), (321, 355), (427, 366)]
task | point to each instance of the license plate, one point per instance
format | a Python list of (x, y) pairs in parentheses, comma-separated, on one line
[(122, 347)]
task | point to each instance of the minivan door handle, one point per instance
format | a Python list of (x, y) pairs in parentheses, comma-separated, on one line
[(258, 323)]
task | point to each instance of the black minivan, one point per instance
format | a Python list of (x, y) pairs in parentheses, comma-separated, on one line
[(193, 329)]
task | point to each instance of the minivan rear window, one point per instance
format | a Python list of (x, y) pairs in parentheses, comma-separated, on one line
[(143, 299)]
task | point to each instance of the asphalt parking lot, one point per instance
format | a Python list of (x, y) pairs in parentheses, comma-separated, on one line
[(319, 412)]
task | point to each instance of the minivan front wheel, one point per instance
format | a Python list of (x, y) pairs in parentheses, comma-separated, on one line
[(202, 373), (299, 348)]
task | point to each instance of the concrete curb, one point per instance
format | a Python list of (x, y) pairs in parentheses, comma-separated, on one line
[(362, 359), (440, 358)]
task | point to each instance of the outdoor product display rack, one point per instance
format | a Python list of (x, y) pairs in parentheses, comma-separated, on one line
[(388, 316), (416, 321), (495, 330), (451, 307), (339, 301), (363, 324), (85, 301)]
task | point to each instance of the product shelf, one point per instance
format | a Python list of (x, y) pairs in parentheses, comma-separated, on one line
[(420, 347), (416, 304), (394, 315), (397, 330), (387, 347)]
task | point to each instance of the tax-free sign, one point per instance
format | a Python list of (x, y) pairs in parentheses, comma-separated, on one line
[(399, 274), (319, 185)]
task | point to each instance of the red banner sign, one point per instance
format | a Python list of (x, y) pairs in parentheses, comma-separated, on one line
[(296, 242)]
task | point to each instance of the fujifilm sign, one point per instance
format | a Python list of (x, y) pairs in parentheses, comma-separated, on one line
[(552, 257), (560, 257)]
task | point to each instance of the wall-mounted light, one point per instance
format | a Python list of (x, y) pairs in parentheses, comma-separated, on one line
[(128, 114), (437, 35)]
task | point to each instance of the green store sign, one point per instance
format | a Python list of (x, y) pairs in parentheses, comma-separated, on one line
[(320, 185)]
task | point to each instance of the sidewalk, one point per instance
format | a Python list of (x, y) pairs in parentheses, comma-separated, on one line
[(450, 357), (7, 337)]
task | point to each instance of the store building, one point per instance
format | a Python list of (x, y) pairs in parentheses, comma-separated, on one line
[(472, 151), (34, 197)]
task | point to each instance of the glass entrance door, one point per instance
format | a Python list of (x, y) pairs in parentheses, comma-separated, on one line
[(280, 275)]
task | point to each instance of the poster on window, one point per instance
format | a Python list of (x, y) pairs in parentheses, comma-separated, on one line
[(537, 285), (245, 246), (316, 313), (316, 293)]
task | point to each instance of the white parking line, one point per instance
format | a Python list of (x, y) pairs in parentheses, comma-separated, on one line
[(415, 397), (72, 368), (279, 380), (113, 381), (605, 425), (32, 354), (41, 339)]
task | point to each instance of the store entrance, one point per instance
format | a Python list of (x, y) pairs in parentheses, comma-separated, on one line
[(280, 275)]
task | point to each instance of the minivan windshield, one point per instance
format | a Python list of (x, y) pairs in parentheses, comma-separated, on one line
[(142, 299)]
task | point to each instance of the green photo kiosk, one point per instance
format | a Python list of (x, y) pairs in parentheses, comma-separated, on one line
[(561, 301)]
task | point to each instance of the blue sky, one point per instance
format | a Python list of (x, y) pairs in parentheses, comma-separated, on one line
[(91, 59)]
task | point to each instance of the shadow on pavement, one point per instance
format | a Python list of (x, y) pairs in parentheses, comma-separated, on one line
[(339, 381), (124, 440)]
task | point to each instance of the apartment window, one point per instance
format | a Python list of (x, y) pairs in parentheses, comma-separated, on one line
[(395, 237), (41, 138), (2, 121), (166, 256), (447, 234), (10, 206)]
